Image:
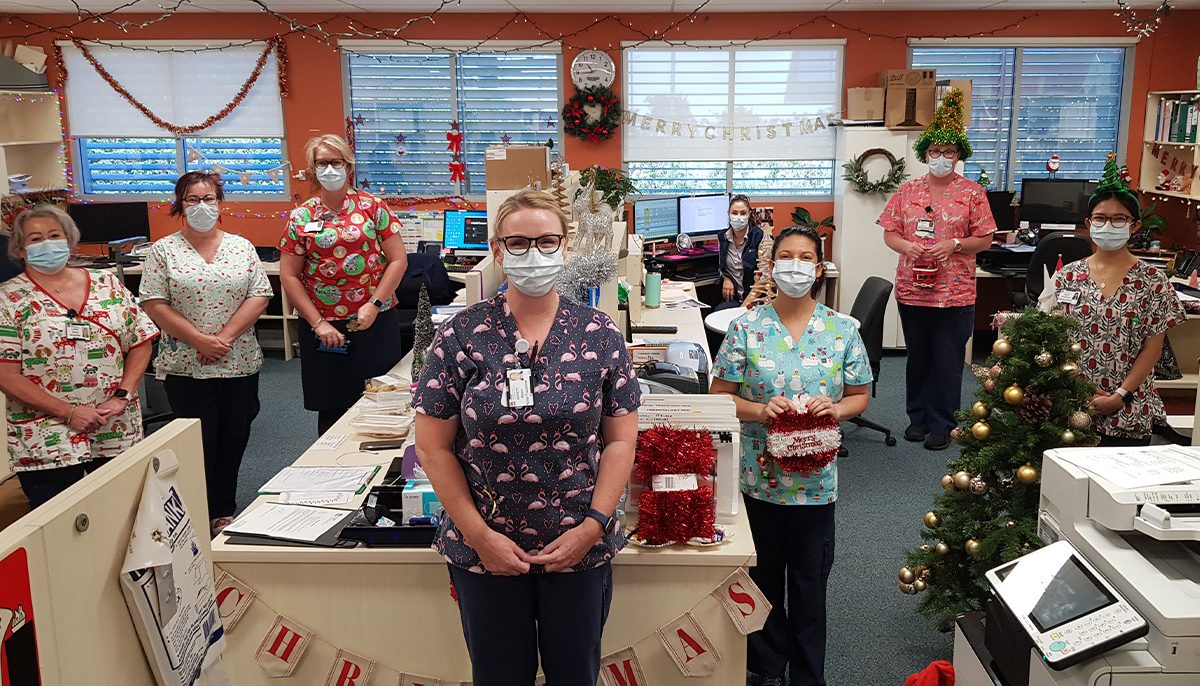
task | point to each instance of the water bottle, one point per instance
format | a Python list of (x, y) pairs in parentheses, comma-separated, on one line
[(653, 288)]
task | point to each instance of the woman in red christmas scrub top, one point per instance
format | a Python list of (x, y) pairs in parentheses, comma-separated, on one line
[(1126, 307), (937, 223), (73, 348), (342, 258)]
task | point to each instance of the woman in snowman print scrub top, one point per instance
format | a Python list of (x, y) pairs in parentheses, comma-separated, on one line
[(526, 425), (794, 350)]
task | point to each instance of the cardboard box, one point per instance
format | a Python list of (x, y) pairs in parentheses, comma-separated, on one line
[(964, 85), (908, 78), (31, 57), (909, 97), (419, 500), (864, 104), (513, 167)]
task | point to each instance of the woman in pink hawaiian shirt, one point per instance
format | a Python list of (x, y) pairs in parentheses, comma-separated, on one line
[(937, 223), (342, 258)]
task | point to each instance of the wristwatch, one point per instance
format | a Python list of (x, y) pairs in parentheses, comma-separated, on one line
[(121, 393), (607, 522), (377, 303), (1126, 396), (957, 245)]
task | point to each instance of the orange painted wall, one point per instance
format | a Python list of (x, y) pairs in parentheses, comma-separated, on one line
[(1164, 61)]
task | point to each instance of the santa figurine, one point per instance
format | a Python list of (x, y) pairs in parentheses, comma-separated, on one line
[(1126, 176), (1053, 164), (1160, 184)]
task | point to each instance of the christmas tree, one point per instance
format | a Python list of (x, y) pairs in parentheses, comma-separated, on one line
[(1031, 398), (422, 331)]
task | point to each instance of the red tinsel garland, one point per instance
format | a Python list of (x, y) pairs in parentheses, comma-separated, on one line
[(803, 442), (675, 516)]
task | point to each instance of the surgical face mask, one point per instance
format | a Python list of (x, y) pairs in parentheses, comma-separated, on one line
[(533, 273), (1108, 238), (795, 278), (332, 179), (202, 217), (739, 221), (48, 257), (941, 166)]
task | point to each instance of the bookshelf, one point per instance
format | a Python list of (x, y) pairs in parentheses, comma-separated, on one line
[(1170, 142), (31, 141)]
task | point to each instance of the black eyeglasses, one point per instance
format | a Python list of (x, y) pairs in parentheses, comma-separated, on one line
[(519, 245)]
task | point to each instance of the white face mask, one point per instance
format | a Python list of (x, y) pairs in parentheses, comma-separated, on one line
[(331, 179), (1108, 238), (533, 273), (795, 278), (941, 166), (738, 221), (202, 217)]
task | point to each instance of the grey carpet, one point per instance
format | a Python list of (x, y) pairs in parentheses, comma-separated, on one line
[(876, 638)]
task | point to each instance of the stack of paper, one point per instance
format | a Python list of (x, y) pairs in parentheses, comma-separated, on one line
[(299, 523), (320, 480)]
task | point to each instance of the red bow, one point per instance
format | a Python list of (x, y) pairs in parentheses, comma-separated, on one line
[(458, 171), (456, 140)]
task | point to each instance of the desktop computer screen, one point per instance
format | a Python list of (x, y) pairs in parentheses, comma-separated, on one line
[(103, 222), (1055, 201), (1002, 210), (704, 213), (656, 220), (465, 230)]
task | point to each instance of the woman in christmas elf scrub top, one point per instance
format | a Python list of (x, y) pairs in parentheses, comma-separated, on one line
[(794, 348)]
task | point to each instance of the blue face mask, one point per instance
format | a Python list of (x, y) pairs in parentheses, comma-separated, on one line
[(48, 257)]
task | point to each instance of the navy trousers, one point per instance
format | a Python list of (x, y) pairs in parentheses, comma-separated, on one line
[(935, 339), (41, 485), (795, 551), (509, 620)]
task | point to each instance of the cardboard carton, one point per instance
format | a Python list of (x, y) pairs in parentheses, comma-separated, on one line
[(864, 104), (513, 167), (909, 97)]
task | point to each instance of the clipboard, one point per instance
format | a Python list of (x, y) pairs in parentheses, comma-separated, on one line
[(331, 538)]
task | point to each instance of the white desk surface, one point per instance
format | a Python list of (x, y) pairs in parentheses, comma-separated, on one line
[(719, 321)]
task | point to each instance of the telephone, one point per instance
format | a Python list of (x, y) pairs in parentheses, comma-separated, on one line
[(1185, 262)]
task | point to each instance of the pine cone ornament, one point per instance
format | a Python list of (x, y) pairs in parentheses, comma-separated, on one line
[(1035, 408)]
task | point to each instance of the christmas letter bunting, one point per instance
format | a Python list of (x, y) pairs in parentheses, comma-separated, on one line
[(281, 648), (233, 599), (349, 670), (414, 680), (622, 669), (745, 603), (689, 646)]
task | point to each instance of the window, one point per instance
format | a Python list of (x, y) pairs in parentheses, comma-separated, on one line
[(1032, 102), (407, 101), (748, 120), (120, 152)]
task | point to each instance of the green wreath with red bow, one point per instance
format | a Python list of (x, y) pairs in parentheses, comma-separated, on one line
[(592, 114)]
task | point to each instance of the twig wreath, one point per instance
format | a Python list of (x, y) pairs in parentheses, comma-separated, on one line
[(856, 175)]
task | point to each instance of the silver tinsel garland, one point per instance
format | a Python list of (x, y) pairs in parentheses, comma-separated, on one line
[(585, 271)]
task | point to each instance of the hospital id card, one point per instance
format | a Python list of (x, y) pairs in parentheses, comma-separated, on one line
[(925, 228), (518, 392)]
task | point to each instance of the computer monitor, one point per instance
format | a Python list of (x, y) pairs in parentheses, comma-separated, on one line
[(1002, 210), (104, 222), (465, 230), (703, 213), (1055, 201), (656, 220)]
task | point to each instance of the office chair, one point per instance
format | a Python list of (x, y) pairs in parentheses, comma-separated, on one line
[(1065, 245), (422, 268), (869, 308), (156, 408)]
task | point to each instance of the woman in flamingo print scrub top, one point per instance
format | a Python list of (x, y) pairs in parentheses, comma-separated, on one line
[(526, 425)]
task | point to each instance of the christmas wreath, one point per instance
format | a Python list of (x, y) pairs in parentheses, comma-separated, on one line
[(857, 176), (592, 114)]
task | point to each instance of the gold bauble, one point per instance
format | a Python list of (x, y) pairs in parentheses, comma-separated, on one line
[(980, 410), (1069, 368), (932, 521), (948, 483), (1067, 437), (1080, 420), (906, 589), (925, 547), (972, 547), (941, 548), (1027, 475), (918, 586), (962, 480), (906, 575), (1076, 349), (1013, 395), (1002, 347), (981, 431), (1044, 359)]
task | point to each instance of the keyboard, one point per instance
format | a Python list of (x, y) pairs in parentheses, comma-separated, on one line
[(459, 268), (647, 329)]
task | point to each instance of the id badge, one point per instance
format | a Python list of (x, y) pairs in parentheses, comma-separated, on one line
[(1068, 297), (313, 228), (925, 228), (518, 390), (77, 332)]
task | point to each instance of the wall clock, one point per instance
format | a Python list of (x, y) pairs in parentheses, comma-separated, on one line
[(592, 68)]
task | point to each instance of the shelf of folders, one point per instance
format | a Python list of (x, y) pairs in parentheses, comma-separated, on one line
[(1172, 154)]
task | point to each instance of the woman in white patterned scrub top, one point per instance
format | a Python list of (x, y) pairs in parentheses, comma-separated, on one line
[(791, 350), (205, 289)]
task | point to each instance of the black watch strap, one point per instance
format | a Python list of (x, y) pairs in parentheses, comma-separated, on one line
[(607, 522), (121, 393)]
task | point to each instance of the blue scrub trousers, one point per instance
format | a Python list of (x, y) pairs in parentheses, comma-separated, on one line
[(935, 339)]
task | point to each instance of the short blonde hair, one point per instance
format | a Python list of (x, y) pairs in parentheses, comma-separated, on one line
[(328, 140), (17, 242), (530, 200)]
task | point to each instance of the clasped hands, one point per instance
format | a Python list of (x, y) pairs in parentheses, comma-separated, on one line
[(818, 406), (940, 251), (500, 555)]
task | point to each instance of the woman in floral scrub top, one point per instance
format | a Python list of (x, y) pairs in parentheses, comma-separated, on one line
[(1126, 307), (793, 349), (73, 348), (342, 258)]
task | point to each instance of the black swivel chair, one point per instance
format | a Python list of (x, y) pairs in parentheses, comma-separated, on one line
[(869, 308), (427, 269), (1065, 245)]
